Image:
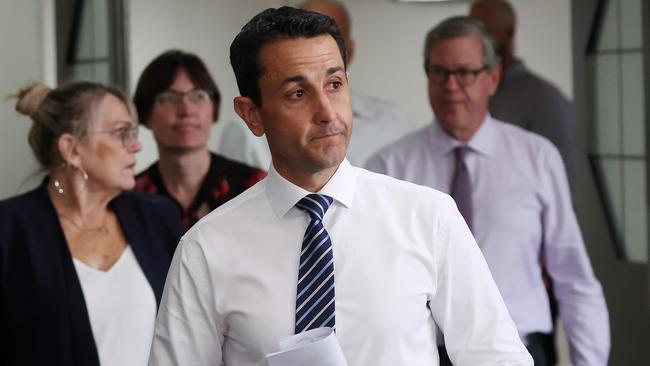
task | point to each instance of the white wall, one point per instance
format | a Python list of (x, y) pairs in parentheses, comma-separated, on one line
[(389, 37), (26, 36)]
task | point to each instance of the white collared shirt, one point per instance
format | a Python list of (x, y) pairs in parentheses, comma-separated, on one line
[(403, 258), (521, 205)]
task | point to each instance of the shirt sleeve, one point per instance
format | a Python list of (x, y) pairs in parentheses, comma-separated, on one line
[(186, 330), (580, 297), (467, 305)]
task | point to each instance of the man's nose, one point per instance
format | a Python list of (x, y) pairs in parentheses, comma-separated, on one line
[(451, 82), (325, 111)]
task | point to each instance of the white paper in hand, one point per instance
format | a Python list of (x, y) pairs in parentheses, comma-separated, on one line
[(316, 347)]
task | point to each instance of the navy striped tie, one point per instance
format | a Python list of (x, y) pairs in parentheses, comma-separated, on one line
[(315, 295)]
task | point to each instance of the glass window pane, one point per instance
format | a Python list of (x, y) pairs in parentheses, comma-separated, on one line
[(85, 48), (100, 19), (607, 105), (633, 98), (98, 71), (93, 32), (612, 170), (631, 24), (609, 32), (636, 215)]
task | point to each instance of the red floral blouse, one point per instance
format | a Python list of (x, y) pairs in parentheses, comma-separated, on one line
[(225, 179)]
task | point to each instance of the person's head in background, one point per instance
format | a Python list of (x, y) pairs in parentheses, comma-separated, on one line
[(178, 101), (499, 18), (463, 72), (339, 13), (291, 72), (84, 135)]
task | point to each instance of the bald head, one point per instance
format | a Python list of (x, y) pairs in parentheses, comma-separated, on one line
[(339, 13), (500, 20)]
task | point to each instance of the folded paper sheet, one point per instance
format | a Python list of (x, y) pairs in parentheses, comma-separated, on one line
[(316, 347)]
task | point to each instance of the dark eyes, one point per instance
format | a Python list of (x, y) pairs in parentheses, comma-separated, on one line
[(334, 85), (297, 94), (464, 72)]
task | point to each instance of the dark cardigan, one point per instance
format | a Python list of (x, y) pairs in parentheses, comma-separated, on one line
[(43, 316)]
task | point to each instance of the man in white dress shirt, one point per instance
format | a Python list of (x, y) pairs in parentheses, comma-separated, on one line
[(511, 187), (377, 122), (399, 256)]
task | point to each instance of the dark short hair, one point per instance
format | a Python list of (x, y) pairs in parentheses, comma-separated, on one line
[(159, 75), (461, 26), (268, 26)]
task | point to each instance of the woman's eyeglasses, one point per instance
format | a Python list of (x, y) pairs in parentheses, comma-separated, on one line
[(171, 97), (126, 134)]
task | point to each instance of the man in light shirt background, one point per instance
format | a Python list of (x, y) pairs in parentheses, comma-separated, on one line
[(377, 122), (526, 100), (400, 257), (511, 187)]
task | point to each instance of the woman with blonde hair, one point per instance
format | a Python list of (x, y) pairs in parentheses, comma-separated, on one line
[(82, 259)]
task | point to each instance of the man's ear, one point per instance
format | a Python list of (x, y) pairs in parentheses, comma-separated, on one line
[(69, 149), (250, 113)]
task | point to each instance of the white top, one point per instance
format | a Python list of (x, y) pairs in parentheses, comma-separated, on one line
[(403, 258), (122, 310), (522, 205), (375, 124)]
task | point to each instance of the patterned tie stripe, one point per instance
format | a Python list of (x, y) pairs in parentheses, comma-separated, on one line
[(315, 293)]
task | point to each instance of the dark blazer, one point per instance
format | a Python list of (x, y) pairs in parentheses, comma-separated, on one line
[(43, 317)]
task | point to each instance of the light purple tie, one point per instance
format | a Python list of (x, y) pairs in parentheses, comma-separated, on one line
[(461, 186)]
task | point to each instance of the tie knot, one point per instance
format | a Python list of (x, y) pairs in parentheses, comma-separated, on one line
[(460, 152), (315, 205)]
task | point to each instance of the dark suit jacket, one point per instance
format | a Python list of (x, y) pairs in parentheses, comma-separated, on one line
[(43, 317)]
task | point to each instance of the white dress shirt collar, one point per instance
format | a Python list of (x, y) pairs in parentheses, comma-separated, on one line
[(484, 140), (283, 195)]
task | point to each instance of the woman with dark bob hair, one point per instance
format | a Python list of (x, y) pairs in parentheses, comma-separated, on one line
[(82, 259), (178, 101)]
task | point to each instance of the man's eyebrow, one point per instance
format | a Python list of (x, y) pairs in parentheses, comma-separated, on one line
[(334, 70), (300, 78), (293, 79)]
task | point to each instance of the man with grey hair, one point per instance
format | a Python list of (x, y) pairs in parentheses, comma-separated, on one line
[(511, 187)]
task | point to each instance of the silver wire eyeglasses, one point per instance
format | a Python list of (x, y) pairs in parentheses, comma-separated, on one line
[(464, 76), (171, 97), (126, 134)]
